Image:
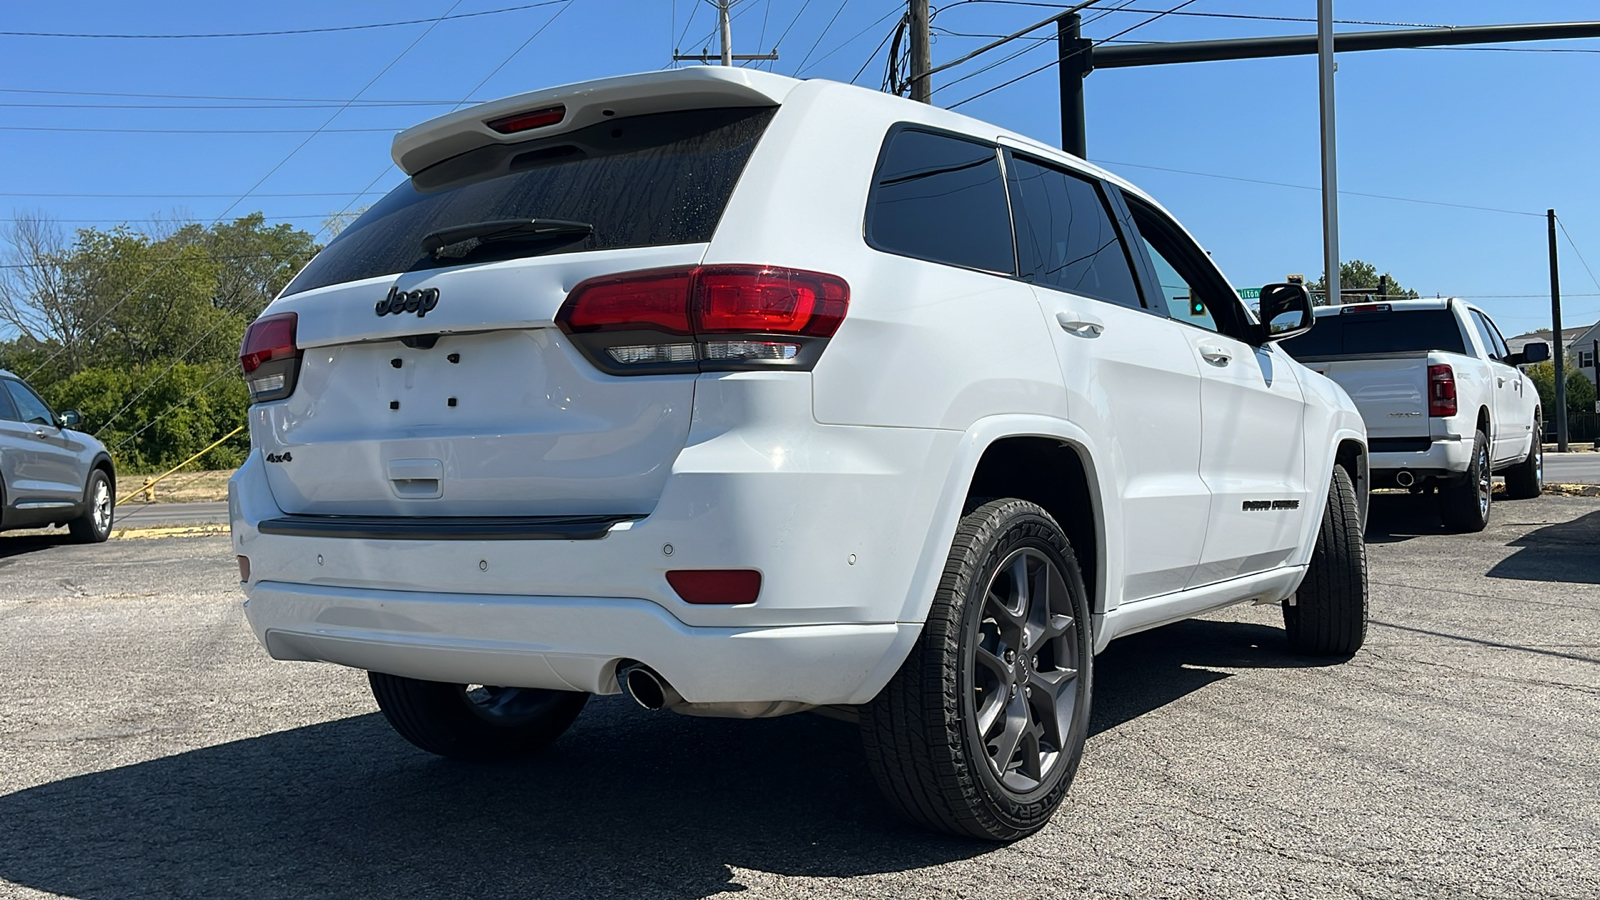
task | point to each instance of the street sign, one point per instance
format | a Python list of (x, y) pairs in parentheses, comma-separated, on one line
[(1249, 293)]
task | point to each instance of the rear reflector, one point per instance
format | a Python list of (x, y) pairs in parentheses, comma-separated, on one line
[(720, 586), (269, 357), (761, 316), (1441, 391), (527, 121)]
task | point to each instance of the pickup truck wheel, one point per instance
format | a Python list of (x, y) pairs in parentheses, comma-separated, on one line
[(1329, 614), (980, 732), (474, 722), (99, 504), (1525, 480), (1464, 506)]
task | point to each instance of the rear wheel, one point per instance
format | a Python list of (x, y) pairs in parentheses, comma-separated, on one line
[(1464, 505), (1328, 616), (1525, 480), (980, 732), (474, 722), (99, 504)]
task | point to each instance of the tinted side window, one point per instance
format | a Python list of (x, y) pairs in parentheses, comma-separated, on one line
[(8, 410), (1486, 335), (1065, 238), (30, 408), (1195, 292), (941, 199)]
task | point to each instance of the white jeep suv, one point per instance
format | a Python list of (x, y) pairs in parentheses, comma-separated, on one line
[(748, 396)]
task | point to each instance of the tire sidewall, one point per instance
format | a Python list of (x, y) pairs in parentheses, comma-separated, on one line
[(1016, 529)]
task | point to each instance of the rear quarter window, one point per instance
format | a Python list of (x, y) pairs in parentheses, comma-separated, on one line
[(941, 198), (641, 181), (1395, 331)]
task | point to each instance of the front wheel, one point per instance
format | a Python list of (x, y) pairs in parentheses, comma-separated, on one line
[(980, 732), (99, 504), (1328, 615), (1525, 480), (474, 722)]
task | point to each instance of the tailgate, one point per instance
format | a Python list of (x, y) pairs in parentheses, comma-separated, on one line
[(1390, 392), (500, 416)]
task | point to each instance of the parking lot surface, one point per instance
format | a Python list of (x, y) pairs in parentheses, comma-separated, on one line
[(151, 749)]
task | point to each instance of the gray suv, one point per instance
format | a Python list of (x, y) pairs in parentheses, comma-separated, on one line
[(50, 474)]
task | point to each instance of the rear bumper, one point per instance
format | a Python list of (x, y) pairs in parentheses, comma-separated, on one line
[(1446, 456), (571, 643)]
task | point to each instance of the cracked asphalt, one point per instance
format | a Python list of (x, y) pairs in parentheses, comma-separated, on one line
[(150, 749)]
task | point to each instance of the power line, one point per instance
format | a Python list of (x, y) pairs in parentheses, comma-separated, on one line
[(333, 100), (1059, 60), (1037, 42), (126, 219), (290, 31), (174, 196), (310, 131), (1306, 187), (1574, 245), (1198, 14), (818, 42)]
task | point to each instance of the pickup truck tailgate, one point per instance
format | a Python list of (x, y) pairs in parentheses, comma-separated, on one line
[(1390, 392)]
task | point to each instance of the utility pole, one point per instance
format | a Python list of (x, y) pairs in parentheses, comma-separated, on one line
[(1560, 355), (1330, 161), (725, 28), (921, 53), (1075, 65)]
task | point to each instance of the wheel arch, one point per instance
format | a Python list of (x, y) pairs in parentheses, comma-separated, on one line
[(1351, 455), (1077, 502)]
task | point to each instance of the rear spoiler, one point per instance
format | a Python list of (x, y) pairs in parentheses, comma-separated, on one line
[(570, 107)]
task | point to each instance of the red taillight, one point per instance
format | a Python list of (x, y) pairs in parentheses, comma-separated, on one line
[(746, 299), (664, 320), (721, 586), (1441, 391), (269, 357), (526, 121)]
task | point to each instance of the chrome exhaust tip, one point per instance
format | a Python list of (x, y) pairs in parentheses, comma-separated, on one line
[(647, 687), (1405, 479)]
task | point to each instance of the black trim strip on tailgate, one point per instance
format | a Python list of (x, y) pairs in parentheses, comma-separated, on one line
[(1399, 445), (446, 528)]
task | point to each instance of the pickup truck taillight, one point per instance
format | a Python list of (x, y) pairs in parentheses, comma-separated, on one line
[(1441, 392), (704, 319), (269, 357)]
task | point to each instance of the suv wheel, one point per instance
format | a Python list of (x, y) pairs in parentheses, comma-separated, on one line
[(980, 732), (99, 505), (1464, 506), (1525, 481), (474, 722), (1329, 613)]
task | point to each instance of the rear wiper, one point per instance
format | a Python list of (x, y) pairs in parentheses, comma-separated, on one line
[(505, 230)]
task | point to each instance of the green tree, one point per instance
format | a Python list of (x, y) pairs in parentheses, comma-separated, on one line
[(1357, 275), (1580, 392)]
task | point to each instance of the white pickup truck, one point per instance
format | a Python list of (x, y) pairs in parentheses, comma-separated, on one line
[(1445, 405)]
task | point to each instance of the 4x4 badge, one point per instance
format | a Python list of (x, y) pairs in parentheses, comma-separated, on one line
[(420, 302)]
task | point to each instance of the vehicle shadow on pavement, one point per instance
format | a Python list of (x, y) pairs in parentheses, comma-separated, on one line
[(628, 803), (1566, 551), (1392, 518), (1141, 673), (18, 544)]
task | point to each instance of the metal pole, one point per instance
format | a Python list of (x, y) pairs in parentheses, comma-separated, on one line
[(1330, 162), (921, 53), (1074, 66), (726, 25), (1560, 355)]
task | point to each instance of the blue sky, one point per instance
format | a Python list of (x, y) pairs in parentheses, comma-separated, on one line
[(1509, 131)]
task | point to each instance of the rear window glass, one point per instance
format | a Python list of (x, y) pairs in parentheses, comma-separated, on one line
[(1356, 333), (642, 181), (941, 199)]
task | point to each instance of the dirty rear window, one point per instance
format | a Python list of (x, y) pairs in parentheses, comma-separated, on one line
[(1358, 333), (641, 181)]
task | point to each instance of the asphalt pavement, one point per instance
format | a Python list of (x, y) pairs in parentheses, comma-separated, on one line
[(1572, 468), (149, 515), (152, 750)]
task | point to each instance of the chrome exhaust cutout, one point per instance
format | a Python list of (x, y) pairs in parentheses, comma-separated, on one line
[(1405, 479), (647, 687)]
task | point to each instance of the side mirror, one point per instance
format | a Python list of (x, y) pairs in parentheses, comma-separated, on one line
[(69, 418), (1285, 312), (1532, 352)]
